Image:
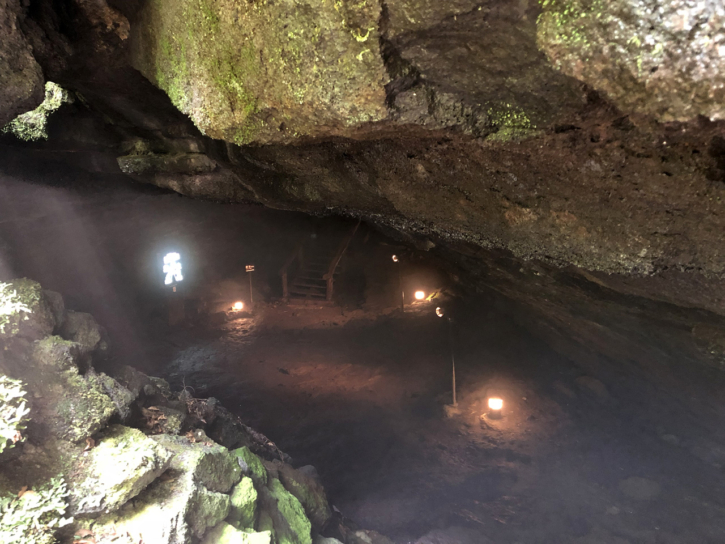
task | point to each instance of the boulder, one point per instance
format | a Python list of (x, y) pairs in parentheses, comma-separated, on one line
[(226, 534), (139, 383), (122, 398), (308, 491), (209, 463), (82, 328), (57, 306), (243, 504), (54, 352), (24, 311), (289, 521), (251, 465), (116, 470), (324, 540), (176, 510), (68, 405)]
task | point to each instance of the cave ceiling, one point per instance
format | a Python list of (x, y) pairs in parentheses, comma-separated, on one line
[(570, 135)]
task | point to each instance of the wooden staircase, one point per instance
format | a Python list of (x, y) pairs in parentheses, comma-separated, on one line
[(314, 266)]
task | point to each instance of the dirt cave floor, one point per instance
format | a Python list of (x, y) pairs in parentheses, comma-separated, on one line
[(586, 452)]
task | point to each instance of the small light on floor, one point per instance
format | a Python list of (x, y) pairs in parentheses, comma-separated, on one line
[(495, 403), (395, 258), (238, 306), (419, 295), (440, 312)]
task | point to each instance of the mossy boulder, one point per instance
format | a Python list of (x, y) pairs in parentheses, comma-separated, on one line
[(224, 533), (175, 510), (309, 492), (24, 311), (291, 525), (262, 72), (210, 464), (115, 470), (243, 509), (83, 329), (251, 465), (67, 405)]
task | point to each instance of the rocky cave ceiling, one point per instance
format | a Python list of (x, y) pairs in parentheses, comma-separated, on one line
[(582, 138)]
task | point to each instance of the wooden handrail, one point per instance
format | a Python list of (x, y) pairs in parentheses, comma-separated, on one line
[(293, 256), (296, 254), (336, 260)]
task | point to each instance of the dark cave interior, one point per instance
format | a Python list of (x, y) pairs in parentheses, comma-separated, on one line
[(598, 443)]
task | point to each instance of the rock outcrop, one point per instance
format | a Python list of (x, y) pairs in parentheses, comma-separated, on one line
[(141, 481)]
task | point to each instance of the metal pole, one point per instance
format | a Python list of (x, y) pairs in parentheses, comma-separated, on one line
[(251, 296), (402, 291), (453, 360)]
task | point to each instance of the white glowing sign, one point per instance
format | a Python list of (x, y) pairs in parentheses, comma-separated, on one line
[(172, 268)]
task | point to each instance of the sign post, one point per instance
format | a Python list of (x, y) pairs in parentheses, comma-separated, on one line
[(250, 269)]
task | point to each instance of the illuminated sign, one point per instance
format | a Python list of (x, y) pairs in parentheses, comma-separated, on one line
[(172, 268)]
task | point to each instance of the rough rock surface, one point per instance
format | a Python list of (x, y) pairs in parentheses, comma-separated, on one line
[(82, 328), (226, 534), (308, 491), (116, 470), (21, 78), (24, 311), (171, 511), (264, 71), (243, 509), (210, 464), (664, 58)]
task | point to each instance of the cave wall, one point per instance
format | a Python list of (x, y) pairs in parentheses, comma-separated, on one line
[(483, 126)]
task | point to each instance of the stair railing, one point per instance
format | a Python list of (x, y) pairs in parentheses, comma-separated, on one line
[(296, 255), (330, 276)]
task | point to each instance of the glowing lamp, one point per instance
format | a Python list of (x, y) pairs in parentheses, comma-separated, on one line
[(238, 306), (419, 295), (172, 268), (395, 258), (495, 404), (440, 312)]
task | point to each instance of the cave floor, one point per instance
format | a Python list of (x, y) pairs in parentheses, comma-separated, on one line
[(595, 451), (360, 396)]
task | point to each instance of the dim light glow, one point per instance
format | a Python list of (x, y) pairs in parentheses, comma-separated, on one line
[(495, 403), (419, 295), (395, 258), (172, 268), (440, 312), (238, 306)]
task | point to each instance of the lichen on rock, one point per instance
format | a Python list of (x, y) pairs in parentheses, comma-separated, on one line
[(24, 311), (116, 470), (260, 72), (664, 58), (243, 504)]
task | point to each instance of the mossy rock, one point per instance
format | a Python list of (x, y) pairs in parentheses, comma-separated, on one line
[(243, 504), (55, 352), (24, 311), (72, 406), (83, 329), (251, 465), (224, 533), (177, 510), (263, 72), (211, 464), (291, 525), (116, 470), (309, 492)]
